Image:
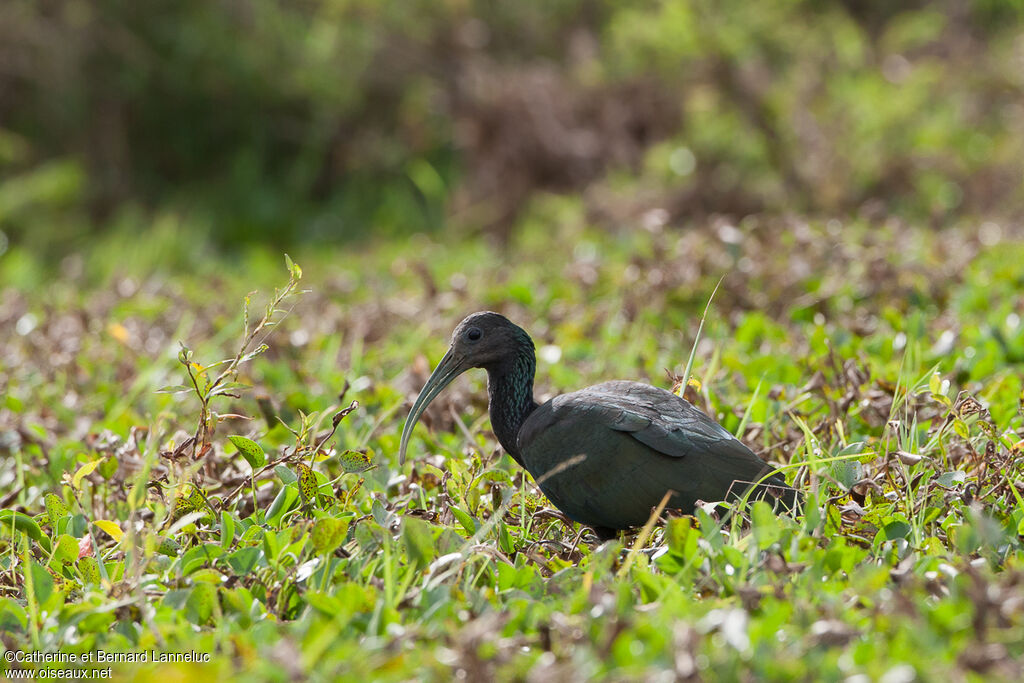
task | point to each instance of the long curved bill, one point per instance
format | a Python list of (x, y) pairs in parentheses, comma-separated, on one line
[(448, 369)]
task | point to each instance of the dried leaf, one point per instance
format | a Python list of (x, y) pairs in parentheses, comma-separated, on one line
[(909, 458)]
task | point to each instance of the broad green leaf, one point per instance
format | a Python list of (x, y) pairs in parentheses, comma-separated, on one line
[(328, 533), (465, 519), (55, 508), (271, 545), (356, 461), (766, 526), (200, 556), (682, 537), (227, 529), (65, 549), (12, 616), (281, 504), (895, 529), (250, 450), (108, 467), (89, 568), (208, 575), (418, 540), (21, 522), (243, 560), (168, 546), (42, 583), (285, 474), (200, 603)]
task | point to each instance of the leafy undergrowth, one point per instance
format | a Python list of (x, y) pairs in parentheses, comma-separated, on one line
[(252, 509)]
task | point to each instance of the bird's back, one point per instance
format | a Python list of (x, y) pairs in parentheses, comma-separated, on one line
[(606, 455)]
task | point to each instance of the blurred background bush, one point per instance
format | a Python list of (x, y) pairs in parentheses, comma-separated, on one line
[(328, 120)]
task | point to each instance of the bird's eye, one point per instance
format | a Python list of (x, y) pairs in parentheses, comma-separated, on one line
[(474, 334)]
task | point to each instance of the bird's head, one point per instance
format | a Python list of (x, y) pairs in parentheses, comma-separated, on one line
[(482, 340)]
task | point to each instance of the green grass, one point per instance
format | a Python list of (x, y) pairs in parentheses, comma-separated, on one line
[(880, 368)]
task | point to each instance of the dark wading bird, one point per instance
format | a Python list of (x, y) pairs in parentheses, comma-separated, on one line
[(605, 455)]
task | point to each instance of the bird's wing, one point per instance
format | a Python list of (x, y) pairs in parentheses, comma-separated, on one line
[(670, 426), (607, 455)]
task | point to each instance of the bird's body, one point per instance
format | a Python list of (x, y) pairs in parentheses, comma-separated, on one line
[(637, 442), (605, 455)]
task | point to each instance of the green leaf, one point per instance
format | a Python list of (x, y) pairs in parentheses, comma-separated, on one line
[(21, 522), (766, 526), (56, 509), (262, 348), (12, 616), (282, 503), (847, 472), (418, 539), (66, 549), (227, 529), (328, 533), (356, 461), (200, 603), (271, 546), (200, 556), (293, 268), (108, 467), (243, 560), (198, 499), (285, 474), (182, 506), (465, 519), (174, 389), (42, 583), (84, 471), (89, 569), (208, 575), (307, 484), (896, 529), (168, 546), (250, 450), (505, 538)]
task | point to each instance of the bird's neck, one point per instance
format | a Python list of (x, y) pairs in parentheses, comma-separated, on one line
[(510, 389)]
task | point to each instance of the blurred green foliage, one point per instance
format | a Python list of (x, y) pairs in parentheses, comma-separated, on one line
[(275, 121)]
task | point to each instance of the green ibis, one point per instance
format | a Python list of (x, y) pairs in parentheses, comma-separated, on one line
[(605, 455)]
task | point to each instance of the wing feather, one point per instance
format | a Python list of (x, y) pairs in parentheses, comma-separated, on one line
[(638, 441)]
